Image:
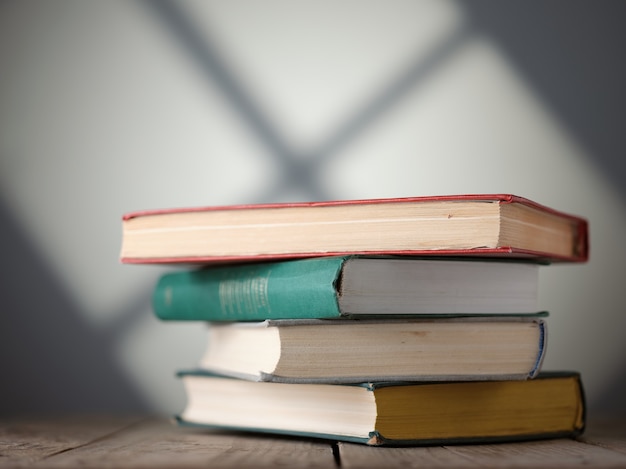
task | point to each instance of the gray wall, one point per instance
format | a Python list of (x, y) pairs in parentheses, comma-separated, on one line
[(111, 107)]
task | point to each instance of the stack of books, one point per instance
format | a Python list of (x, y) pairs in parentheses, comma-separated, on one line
[(387, 321)]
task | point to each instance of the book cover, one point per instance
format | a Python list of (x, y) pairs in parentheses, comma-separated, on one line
[(348, 286), (393, 414), (459, 225)]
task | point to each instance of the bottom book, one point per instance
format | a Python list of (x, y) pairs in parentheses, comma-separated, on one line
[(550, 406)]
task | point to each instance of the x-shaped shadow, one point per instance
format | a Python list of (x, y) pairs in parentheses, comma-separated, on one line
[(300, 170)]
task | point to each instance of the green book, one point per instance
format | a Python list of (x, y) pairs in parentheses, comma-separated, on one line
[(379, 413), (334, 287)]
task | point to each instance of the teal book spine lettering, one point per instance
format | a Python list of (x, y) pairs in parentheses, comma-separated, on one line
[(304, 289)]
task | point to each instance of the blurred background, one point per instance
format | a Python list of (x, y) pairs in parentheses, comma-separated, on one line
[(110, 107)]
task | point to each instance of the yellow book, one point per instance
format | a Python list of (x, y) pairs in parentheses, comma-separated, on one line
[(549, 406)]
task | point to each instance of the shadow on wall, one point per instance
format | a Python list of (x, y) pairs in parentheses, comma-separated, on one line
[(611, 401), (52, 360), (572, 55)]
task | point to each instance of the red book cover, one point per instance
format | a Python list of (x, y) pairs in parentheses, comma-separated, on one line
[(578, 225)]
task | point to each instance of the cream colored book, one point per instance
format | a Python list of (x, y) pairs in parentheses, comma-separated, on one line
[(340, 351)]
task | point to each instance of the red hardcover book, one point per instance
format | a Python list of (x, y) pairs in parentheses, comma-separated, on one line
[(499, 225)]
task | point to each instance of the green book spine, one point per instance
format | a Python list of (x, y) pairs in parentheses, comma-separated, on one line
[(303, 289)]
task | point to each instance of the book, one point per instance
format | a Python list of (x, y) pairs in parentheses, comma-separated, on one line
[(549, 406), (342, 351), (349, 286), (482, 225)]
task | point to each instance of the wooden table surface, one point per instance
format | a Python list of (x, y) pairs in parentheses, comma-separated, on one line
[(133, 442)]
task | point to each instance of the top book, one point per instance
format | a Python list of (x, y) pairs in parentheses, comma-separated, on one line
[(499, 225)]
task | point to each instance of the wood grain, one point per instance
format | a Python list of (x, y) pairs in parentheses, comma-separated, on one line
[(133, 442), (561, 453), (25, 441), (606, 432), (158, 443)]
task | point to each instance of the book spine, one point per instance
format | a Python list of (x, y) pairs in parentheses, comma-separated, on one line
[(302, 289)]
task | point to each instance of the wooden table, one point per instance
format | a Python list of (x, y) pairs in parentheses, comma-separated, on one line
[(105, 441)]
